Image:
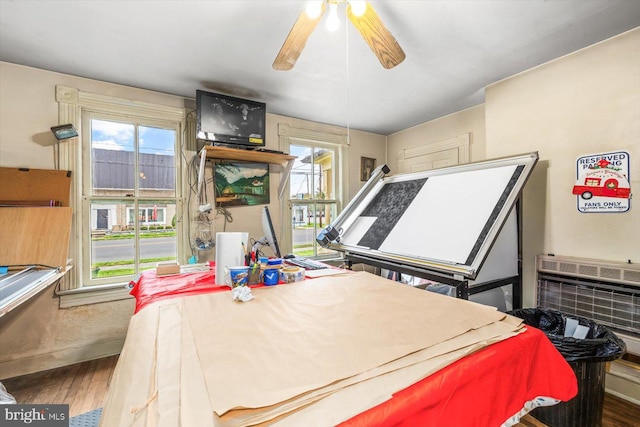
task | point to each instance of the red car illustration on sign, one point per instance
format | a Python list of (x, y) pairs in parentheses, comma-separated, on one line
[(604, 183)]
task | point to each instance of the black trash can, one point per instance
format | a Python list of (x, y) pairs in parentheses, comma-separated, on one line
[(586, 357)]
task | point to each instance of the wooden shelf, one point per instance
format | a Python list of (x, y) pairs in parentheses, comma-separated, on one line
[(225, 153)]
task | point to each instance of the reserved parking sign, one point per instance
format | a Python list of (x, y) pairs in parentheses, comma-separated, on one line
[(602, 183)]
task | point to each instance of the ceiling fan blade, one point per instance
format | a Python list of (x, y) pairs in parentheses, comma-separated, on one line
[(296, 40), (379, 39)]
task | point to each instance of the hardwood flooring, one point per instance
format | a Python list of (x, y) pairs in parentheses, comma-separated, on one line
[(83, 386), (618, 412)]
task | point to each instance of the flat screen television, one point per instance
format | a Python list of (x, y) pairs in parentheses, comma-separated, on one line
[(226, 120)]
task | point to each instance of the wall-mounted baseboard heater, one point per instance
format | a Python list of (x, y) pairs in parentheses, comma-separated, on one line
[(604, 291)]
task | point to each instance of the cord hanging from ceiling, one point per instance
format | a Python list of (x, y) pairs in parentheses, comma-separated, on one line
[(346, 32)]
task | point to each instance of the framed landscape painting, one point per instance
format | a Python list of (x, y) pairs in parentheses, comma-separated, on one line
[(241, 184)]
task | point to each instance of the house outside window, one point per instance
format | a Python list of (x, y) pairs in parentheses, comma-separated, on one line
[(132, 166)]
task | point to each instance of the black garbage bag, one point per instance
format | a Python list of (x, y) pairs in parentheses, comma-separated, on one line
[(600, 345)]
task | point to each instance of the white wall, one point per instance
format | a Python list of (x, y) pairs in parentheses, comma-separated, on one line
[(28, 110), (587, 102)]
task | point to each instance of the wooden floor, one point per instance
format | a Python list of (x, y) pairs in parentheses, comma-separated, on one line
[(83, 386)]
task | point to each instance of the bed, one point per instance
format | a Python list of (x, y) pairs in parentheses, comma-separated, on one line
[(349, 350)]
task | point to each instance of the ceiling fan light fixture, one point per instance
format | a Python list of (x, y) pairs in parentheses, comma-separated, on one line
[(333, 22), (363, 17), (358, 7), (314, 8)]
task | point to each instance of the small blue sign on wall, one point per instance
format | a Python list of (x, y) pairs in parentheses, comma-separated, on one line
[(602, 183)]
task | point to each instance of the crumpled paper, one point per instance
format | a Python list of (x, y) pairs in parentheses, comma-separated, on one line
[(242, 293)]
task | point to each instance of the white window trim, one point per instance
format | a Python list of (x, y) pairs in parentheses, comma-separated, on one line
[(288, 136), (72, 103)]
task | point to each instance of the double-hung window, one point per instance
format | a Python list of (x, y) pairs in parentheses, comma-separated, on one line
[(126, 193), (316, 188), (130, 195)]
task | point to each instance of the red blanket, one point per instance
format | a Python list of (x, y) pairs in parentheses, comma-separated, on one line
[(483, 389), (150, 287)]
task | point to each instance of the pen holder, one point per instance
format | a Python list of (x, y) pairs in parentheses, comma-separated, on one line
[(254, 274)]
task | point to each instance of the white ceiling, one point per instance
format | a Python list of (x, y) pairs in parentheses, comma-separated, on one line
[(454, 49)]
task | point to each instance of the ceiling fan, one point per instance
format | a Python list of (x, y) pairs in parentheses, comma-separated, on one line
[(362, 16)]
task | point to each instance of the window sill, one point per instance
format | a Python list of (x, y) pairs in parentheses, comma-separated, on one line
[(94, 295)]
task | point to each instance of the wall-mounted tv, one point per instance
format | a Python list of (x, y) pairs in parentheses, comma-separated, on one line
[(230, 121)]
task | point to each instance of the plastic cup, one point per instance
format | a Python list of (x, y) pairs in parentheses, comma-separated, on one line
[(270, 276), (239, 275)]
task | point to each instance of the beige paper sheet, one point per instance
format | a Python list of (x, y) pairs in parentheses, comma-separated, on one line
[(362, 396), (396, 375), (318, 332), (133, 381), (175, 364)]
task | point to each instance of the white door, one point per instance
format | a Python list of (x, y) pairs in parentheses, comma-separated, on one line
[(450, 152)]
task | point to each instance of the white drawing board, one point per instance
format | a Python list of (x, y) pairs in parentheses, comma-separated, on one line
[(445, 218)]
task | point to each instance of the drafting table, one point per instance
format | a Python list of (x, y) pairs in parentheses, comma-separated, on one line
[(458, 225)]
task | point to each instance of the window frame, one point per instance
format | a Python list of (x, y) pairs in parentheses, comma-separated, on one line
[(135, 201), (73, 104), (339, 143)]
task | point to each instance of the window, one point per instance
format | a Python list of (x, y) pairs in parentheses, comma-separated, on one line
[(99, 211), (130, 196), (316, 188), (148, 216)]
